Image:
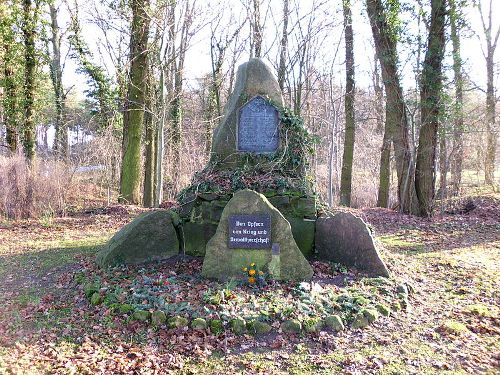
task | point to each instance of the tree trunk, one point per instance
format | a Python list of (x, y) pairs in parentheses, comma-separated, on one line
[(61, 135), (134, 106), (29, 33), (10, 101), (431, 109), (443, 165), (347, 158), (283, 48), (150, 149), (491, 139), (385, 170), (160, 142), (257, 30), (458, 123), (395, 110)]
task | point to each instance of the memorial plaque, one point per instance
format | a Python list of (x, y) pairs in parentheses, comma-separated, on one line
[(258, 129), (249, 231)]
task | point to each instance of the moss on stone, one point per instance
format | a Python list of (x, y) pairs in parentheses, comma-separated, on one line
[(334, 322), (195, 237), (158, 318), (199, 324), (238, 326), (141, 315), (311, 325), (178, 322), (370, 314), (90, 288), (216, 326), (383, 309), (360, 321), (150, 236), (96, 299), (258, 328), (303, 233), (125, 308), (292, 326)]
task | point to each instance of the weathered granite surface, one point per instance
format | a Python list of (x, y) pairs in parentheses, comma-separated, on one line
[(221, 262), (150, 236), (253, 78), (346, 239)]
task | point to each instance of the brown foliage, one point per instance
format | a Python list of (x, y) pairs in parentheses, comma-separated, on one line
[(32, 191)]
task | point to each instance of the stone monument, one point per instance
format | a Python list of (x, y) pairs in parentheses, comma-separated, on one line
[(254, 201), (251, 230), (256, 146)]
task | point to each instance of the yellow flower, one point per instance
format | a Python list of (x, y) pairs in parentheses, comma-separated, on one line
[(251, 280), (244, 269), (252, 265), (251, 272)]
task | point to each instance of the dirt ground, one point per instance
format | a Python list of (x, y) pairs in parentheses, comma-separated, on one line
[(452, 325)]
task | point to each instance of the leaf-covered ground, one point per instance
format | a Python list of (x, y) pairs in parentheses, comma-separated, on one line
[(452, 324)]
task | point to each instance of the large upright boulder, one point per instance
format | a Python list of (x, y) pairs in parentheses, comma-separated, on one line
[(151, 236), (254, 79), (346, 239), (222, 262)]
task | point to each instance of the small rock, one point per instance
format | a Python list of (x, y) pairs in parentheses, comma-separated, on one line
[(383, 309), (238, 326), (361, 301), (402, 288), (199, 324), (370, 314), (257, 327), (125, 308), (312, 325), (216, 326), (90, 288), (158, 318), (291, 326), (396, 306), (178, 322), (360, 321), (403, 300), (96, 299), (334, 322), (141, 315)]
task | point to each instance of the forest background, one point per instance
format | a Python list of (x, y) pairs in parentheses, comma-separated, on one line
[(122, 97)]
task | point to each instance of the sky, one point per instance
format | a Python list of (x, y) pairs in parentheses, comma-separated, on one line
[(198, 56)]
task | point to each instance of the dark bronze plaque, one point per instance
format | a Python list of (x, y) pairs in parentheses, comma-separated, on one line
[(258, 129), (249, 231)]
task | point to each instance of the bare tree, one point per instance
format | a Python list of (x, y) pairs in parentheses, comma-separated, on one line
[(458, 126), (491, 40), (134, 106), (350, 122), (61, 136), (29, 27), (396, 121), (431, 109)]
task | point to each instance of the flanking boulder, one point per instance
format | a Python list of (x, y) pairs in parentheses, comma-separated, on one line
[(222, 262), (346, 239), (150, 236)]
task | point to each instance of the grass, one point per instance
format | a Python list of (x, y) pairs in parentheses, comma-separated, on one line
[(402, 244)]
